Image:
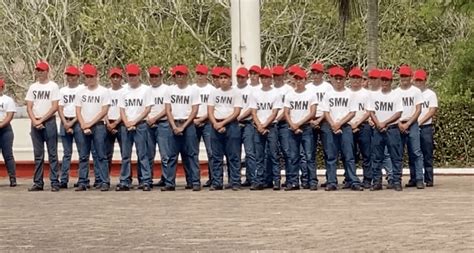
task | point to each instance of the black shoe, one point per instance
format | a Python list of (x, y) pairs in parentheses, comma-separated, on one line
[(246, 183), (366, 185), (122, 188), (313, 187), (97, 185), (228, 186), (13, 182), (356, 187), (420, 185), (76, 185), (196, 188), (283, 185), (81, 188), (236, 188), (330, 188), (346, 185), (168, 188), (305, 186), (410, 184), (35, 188), (104, 188), (159, 184), (140, 187), (292, 188), (256, 187), (276, 187), (215, 188), (207, 184), (188, 187), (397, 187), (267, 186), (323, 185), (376, 187), (429, 184), (55, 188), (63, 186), (146, 188), (390, 184)]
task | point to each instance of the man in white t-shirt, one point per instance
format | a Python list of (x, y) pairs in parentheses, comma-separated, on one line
[(41, 105), (265, 103), (158, 127), (299, 109), (92, 104), (182, 105), (203, 126), (385, 109), (361, 128), (7, 111), (224, 107), (429, 108), (247, 130), (134, 106), (113, 119), (69, 129), (254, 72), (408, 125), (339, 108), (215, 76)]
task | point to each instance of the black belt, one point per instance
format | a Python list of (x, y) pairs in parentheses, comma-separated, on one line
[(70, 118), (219, 120), (180, 121), (427, 125), (246, 121), (392, 126)]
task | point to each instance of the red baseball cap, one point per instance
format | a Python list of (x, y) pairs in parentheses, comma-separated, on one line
[(266, 72), (72, 70), (255, 68), (2, 83), (405, 70), (278, 70), (225, 71), (89, 70), (420, 74), (115, 71), (337, 71), (317, 66), (215, 71), (202, 69), (154, 70), (356, 72), (386, 73), (242, 71), (42, 65), (183, 69), (132, 69), (374, 73), (300, 73)]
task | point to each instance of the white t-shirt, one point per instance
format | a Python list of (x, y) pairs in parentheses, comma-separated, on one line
[(320, 90), (284, 90), (115, 97), (6, 105), (224, 102), (430, 100), (204, 93), (265, 102), (158, 98), (385, 105), (338, 103), (67, 100), (245, 91), (42, 95), (411, 97), (91, 102), (135, 101), (182, 101), (300, 104), (361, 99)]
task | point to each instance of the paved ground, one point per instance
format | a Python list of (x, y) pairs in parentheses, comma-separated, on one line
[(434, 219)]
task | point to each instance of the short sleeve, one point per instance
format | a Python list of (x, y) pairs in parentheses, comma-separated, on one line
[(29, 93), (252, 101), (433, 100), (55, 92)]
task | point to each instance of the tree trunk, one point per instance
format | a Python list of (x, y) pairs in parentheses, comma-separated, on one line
[(372, 33)]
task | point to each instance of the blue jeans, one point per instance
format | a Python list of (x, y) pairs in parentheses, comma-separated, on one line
[(362, 144), (160, 135), (139, 136), (110, 143), (427, 147), (226, 144), (267, 145), (67, 140), (188, 146), (339, 143), (284, 148), (97, 138), (318, 134), (204, 132), (39, 137), (247, 131), (6, 145), (392, 140), (387, 164), (296, 141), (415, 155)]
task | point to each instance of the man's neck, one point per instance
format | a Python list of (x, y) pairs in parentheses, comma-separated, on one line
[(279, 84), (241, 86), (266, 88), (356, 88), (73, 85), (45, 81), (317, 82)]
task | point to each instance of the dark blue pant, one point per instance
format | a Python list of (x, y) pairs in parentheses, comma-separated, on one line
[(188, 147), (97, 138), (139, 136), (110, 144), (318, 135), (6, 145), (296, 141), (283, 148), (226, 144), (39, 137), (247, 131), (427, 147), (339, 143), (67, 141), (415, 155), (204, 132), (160, 135), (392, 140), (267, 146), (362, 144)]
